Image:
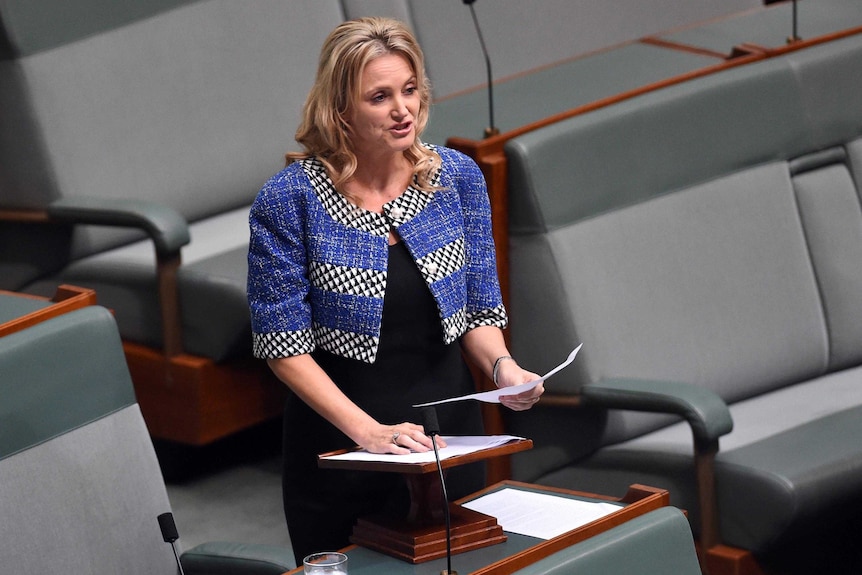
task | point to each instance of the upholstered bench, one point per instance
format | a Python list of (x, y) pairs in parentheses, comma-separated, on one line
[(704, 242), (80, 485)]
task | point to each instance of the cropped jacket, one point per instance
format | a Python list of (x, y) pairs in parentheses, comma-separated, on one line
[(317, 264)]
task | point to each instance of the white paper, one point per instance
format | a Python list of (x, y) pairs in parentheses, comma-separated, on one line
[(540, 515), (455, 445), (494, 396)]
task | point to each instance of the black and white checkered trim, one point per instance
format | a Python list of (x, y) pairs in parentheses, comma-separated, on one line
[(494, 316), (347, 344), (454, 326), (395, 213), (459, 322), (337, 206), (442, 262), (406, 206), (348, 280), (282, 344)]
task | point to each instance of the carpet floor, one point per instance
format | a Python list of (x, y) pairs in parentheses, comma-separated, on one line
[(228, 491)]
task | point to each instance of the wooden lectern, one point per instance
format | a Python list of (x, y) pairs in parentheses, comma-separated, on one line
[(421, 535)]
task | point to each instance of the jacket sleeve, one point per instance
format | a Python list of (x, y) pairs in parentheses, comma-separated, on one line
[(278, 283), (484, 301)]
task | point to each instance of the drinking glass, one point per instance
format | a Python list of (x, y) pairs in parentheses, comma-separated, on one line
[(325, 563)]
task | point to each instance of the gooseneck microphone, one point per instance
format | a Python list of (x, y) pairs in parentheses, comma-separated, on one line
[(491, 130), (432, 428), (170, 535)]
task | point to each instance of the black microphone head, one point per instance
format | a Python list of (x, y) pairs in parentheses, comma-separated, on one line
[(168, 527), (468, 2), (429, 420)]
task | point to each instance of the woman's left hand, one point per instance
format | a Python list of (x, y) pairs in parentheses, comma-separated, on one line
[(509, 374)]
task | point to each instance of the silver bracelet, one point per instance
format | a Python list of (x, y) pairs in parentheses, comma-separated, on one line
[(497, 367)]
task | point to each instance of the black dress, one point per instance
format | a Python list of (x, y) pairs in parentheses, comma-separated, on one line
[(413, 366)]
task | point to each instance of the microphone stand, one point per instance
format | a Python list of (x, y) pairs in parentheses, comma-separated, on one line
[(491, 130), (795, 31), (432, 428), (448, 570)]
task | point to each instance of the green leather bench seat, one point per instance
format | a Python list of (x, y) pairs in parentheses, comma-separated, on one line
[(709, 234)]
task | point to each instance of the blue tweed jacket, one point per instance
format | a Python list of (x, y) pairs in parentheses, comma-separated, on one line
[(317, 263)]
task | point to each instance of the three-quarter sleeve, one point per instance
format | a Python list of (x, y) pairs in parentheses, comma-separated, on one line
[(484, 300), (278, 286)]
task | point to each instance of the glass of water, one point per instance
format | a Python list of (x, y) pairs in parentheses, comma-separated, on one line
[(326, 563)]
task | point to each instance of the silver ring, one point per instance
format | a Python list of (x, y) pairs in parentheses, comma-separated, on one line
[(395, 437)]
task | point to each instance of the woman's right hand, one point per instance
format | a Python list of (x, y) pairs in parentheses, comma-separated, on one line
[(401, 439)]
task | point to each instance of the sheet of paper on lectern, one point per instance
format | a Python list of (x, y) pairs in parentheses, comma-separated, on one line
[(494, 396), (540, 515), (455, 445)]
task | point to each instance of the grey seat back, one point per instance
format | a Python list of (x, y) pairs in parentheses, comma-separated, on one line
[(687, 234), (828, 186), (186, 103), (80, 485)]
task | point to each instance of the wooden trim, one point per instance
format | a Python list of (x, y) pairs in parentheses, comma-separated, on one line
[(726, 560), (798, 44), (747, 49), (169, 305), (67, 298), (670, 45), (560, 400), (704, 463), (639, 500), (191, 400), (24, 216)]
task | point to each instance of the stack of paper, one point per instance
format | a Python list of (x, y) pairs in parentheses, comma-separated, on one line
[(539, 515), (455, 445)]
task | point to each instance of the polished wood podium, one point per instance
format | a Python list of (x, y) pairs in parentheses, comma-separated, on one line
[(421, 535)]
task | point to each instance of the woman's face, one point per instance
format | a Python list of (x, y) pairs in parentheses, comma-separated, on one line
[(383, 119)]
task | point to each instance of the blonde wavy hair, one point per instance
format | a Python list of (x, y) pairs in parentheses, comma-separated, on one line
[(323, 131)]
